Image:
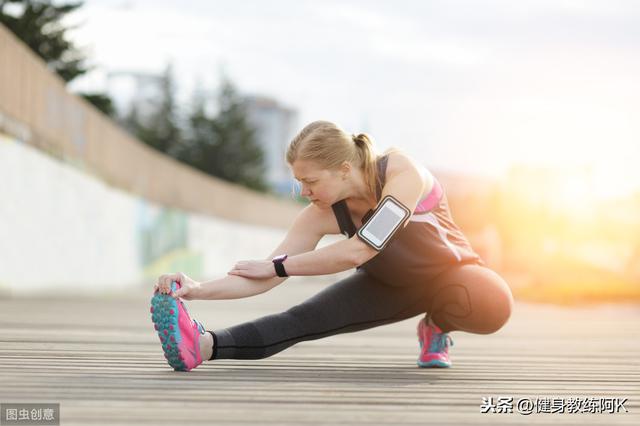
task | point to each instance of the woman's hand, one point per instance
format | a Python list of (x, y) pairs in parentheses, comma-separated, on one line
[(254, 269), (188, 287)]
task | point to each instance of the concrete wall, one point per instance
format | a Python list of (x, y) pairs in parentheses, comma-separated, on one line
[(63, 229)]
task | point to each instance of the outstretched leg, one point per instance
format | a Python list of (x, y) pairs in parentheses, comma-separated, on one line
[(467, 297), (354, 303)]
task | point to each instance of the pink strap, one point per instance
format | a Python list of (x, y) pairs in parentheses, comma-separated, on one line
[(431, 200)]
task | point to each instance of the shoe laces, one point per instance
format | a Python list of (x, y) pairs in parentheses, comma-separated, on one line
[(440, 342), (201, 329)]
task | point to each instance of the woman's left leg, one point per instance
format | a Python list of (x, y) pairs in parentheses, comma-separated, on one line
[(468, 297), (471, 298)]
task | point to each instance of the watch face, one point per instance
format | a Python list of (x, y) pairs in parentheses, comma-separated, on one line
[(280, 258)]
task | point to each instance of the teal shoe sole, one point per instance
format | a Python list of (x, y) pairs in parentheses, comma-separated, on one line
[(433, 364), (164, 314)]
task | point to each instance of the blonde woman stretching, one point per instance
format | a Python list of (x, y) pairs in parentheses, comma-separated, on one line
[(427, 267)]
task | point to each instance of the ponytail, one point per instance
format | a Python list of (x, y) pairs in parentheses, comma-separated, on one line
[(368, 156)]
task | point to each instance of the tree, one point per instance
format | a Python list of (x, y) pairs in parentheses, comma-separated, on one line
[(225, 145), (198, 134), (101, 101), (155, 121), (38, 23)]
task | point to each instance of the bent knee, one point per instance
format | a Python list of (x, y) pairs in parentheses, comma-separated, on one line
[(498, 311)]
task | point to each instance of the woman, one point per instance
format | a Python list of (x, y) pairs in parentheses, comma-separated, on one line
[(428, 267)]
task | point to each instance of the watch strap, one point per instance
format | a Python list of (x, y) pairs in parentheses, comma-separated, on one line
[(279, 266)]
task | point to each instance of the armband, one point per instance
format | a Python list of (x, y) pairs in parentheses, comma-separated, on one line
[(383, 223)]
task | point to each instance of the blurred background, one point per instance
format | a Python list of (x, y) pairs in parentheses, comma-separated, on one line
[(140, 137)]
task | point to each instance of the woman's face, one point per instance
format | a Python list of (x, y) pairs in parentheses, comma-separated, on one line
[(322, 187)]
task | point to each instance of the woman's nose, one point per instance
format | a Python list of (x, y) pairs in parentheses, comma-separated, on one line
[(305, 191)]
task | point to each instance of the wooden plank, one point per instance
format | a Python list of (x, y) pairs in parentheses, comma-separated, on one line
[(108, 369)]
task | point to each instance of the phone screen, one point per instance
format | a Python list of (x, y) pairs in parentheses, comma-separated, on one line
[(384, 223)]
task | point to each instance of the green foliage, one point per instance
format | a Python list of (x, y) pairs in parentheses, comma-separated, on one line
[(159, 127), (225, 145), (38, 23), (102, 102)]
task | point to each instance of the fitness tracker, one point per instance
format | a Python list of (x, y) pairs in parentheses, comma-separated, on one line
[(277, 263), (384, 222)]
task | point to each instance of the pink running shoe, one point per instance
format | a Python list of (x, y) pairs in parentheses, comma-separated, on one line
[(179, 334), (434, 346)]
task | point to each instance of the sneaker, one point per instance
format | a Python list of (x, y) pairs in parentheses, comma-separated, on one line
[(434, 346), (178, 333)]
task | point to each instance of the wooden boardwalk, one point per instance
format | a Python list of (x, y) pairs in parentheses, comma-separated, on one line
[(100, 359)]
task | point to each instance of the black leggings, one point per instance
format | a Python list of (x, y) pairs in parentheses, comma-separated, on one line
[(468, 297)]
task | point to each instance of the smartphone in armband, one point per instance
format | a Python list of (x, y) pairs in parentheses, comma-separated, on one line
[(384, 222)]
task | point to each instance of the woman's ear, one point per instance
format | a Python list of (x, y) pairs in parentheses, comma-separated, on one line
[(345, 169)]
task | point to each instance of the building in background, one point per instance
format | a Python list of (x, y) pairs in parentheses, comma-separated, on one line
[(128, 88), (276, 126), (275, 123)]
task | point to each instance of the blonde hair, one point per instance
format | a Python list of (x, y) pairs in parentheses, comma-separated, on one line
[(328, 146)]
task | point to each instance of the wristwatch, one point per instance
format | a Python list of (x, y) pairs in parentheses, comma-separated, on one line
[(277, 263)]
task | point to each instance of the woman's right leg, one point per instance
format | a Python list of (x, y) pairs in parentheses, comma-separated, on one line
[(354, 303)]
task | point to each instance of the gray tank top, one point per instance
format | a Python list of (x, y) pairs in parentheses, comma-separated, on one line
[(429, 244)]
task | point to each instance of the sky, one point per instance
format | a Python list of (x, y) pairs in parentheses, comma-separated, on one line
[(470, 86)]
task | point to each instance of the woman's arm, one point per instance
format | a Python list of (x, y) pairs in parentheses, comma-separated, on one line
[(306, 231), (337, 257), (235, 287)]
